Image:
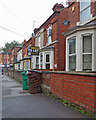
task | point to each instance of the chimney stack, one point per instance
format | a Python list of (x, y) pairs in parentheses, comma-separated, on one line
[(57, 7)]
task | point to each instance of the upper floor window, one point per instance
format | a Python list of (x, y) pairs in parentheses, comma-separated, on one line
[(39, 41), (72, 54), (49, 33), (85, 10)]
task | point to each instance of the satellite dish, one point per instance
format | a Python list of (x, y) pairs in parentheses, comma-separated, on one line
[(65, 22)]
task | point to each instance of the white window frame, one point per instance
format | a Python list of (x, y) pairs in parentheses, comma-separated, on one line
[(49, 60), (32, 62), (37, 63), (27, 67), (41, 63), (73, 54), (39, 41), (84, 9), (49, 35), (88, 53)]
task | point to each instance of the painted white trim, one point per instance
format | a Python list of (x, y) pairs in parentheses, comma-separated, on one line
[(79, 49)]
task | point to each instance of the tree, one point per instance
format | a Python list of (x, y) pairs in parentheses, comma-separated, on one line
[(10, 45)]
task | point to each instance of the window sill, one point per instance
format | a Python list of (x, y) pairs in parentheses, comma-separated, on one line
[(50, 44), (93, 18)]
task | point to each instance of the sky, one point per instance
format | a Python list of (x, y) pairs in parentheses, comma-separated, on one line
[(18, 18)]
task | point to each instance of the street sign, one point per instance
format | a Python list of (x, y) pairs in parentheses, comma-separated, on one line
[(33, 50)]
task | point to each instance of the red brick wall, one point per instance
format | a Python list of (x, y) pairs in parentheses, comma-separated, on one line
[(46, 78), (54, 20), (34, 80), (62, 39), (57, 34), (54, 29), (93, 8), (1, 58), (74, 16), (79, 89), (14, 53), (10, 61), (31, 42)]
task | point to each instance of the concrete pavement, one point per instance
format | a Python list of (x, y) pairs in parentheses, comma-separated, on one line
[(17, 103)]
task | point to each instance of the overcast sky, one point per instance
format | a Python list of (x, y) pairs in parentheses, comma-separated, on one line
[(17, 18)]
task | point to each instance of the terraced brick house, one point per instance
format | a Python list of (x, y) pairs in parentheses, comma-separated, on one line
[(81, 36), (49, 38)]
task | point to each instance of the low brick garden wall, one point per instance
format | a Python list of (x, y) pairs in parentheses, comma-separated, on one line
[(11, 73), (34, 81), (78, 88), (15, 74)]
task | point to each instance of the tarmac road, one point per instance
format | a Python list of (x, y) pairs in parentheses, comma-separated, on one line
[(17, 103)]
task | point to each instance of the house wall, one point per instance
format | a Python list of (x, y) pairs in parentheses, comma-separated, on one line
[(94, 49), (57, 29), (74, 13), (62, 39), (14, 53), (53, 19), (93, 8), (74, 16), (2, 59), (31, 41), (41, 34), (19, 55)]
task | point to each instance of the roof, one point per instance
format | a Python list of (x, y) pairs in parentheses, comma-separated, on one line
[(46, 21), (27, 41), (18, 46), (75, 28), (6, 52)]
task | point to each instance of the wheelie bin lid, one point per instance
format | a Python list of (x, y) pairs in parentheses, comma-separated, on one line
[(23, 72)]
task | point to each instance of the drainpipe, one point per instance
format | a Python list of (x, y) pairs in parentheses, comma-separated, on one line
[(58, 38)]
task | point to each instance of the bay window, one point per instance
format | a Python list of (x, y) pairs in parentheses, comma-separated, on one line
[(41, 61), (87, 53), (72, 54), (37, 62), (27, 65), (47, 61)]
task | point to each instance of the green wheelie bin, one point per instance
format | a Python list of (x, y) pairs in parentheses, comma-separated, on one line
[(25, 81)]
